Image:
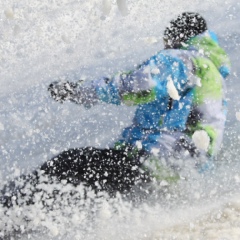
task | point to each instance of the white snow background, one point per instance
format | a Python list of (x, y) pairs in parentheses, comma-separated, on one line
[(47, 40)]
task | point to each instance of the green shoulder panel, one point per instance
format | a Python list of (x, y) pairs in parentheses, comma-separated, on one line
[(139, 97), (211, 50), (211, 80)]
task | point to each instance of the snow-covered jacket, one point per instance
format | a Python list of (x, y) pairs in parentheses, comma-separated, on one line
[(175, 90)]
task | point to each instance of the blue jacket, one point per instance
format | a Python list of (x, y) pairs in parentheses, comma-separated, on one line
[(166, 89)]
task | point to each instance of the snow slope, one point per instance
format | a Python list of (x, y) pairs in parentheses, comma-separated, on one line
[(42, 41)]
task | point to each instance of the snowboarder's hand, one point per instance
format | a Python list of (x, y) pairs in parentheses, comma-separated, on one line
[(61, 91)]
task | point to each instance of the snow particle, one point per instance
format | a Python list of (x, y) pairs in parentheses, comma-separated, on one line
[(238, 116), (155, 71), (151, 40), (172, 91), (65, 38), (16, 30), (164, 183), (53, 151), (139, 145), (155, 151), (106, 7), (1, 127), (105, 212), (54, 230), (201, 139), (122, 6), (9, 13)]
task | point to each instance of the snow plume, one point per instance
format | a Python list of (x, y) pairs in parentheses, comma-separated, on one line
[(65, 212), (57, 208)]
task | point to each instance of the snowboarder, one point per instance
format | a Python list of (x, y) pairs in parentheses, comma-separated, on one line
[(181, 112)]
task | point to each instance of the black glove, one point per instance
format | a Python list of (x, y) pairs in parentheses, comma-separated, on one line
[(184, 144), (62, 91)]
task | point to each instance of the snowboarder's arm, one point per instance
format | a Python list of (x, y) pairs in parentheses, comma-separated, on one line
[(125, 88), (132, 88), (158, 77)]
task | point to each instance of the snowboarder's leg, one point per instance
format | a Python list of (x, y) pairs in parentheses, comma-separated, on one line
[(101, 169)]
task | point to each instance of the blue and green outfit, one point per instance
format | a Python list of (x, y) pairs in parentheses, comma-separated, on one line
[(177, 92), (197, 72)]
